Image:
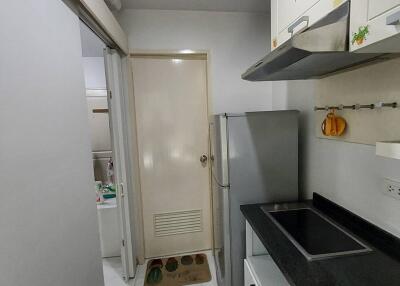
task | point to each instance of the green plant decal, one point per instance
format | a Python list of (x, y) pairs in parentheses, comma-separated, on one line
[(361, 35)]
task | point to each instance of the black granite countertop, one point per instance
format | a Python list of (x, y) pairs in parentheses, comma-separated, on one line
[(381, 267)]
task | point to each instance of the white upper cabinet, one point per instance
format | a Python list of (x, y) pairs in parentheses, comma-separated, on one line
[(291, 16), (376, 8), (286, 13), (289, 10), (375, 26)]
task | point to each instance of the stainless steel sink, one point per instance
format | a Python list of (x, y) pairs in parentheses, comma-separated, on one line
[(314, 235)]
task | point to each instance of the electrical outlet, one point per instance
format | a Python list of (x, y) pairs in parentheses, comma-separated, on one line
[(392, 188)]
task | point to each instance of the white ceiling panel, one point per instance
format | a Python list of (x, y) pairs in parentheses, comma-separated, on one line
[(202, 5)]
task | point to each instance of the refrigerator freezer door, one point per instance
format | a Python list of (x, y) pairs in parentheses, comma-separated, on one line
[(263, 167), (221, 225), (263, 156)]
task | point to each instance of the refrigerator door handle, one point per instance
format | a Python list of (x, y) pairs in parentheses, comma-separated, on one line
[(218, 183)]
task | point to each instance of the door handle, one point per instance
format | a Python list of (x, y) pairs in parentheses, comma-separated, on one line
[(393, 19), (298, 22), (122, 192), (203, 159)]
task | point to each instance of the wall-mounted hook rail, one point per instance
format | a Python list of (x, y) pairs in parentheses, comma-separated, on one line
[(357, 106)]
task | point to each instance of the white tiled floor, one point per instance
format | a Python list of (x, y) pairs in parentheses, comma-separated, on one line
[(112, 272), (112, 269)]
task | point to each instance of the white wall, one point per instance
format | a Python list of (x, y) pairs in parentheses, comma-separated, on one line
[(49, 234), (349, 174), (234, 40), (92, 46), (95, 76), (99, 124)]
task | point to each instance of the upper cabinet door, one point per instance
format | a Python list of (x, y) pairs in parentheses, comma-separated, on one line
[(289, 10), (376, 8), (375, 26), (290, 16), (286, 13)]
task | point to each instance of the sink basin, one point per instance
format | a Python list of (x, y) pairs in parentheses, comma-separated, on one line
[(315, 236)]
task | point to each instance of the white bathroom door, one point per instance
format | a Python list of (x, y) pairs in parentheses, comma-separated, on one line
[(117, 104), (172, 130)]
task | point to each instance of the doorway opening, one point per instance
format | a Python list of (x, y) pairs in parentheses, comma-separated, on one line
[(173, 144), (172, 108), (115, 249)]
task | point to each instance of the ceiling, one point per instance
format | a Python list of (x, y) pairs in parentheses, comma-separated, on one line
[(261, 6)]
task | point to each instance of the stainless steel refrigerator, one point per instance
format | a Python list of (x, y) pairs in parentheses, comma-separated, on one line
[(254, 159)]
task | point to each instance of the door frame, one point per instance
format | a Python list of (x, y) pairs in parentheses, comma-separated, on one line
[(98, 17), (117, 98), (182, 54)]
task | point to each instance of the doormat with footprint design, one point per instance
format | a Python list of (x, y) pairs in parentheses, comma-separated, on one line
[(178, 271)]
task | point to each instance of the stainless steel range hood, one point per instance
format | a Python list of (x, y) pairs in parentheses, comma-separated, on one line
[(321, 49)]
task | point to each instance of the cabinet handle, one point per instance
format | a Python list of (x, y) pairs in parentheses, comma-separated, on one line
[(393, 19), (298, 22)]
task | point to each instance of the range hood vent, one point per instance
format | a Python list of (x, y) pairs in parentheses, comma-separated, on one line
[(316, 52)]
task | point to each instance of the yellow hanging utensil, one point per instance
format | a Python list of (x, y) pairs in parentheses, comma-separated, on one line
[(340, 125), (333, 125), (327, 124)]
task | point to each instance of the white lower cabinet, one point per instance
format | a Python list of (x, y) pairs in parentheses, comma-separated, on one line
[(259, 267), (249, 279), (262, 271)]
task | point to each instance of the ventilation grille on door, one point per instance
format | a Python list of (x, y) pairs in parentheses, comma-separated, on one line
[(177, 222)]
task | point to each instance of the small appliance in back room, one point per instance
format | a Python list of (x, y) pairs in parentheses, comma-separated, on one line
[(254, 160)]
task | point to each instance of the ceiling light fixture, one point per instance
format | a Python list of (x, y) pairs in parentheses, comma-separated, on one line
[(187, 51)]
